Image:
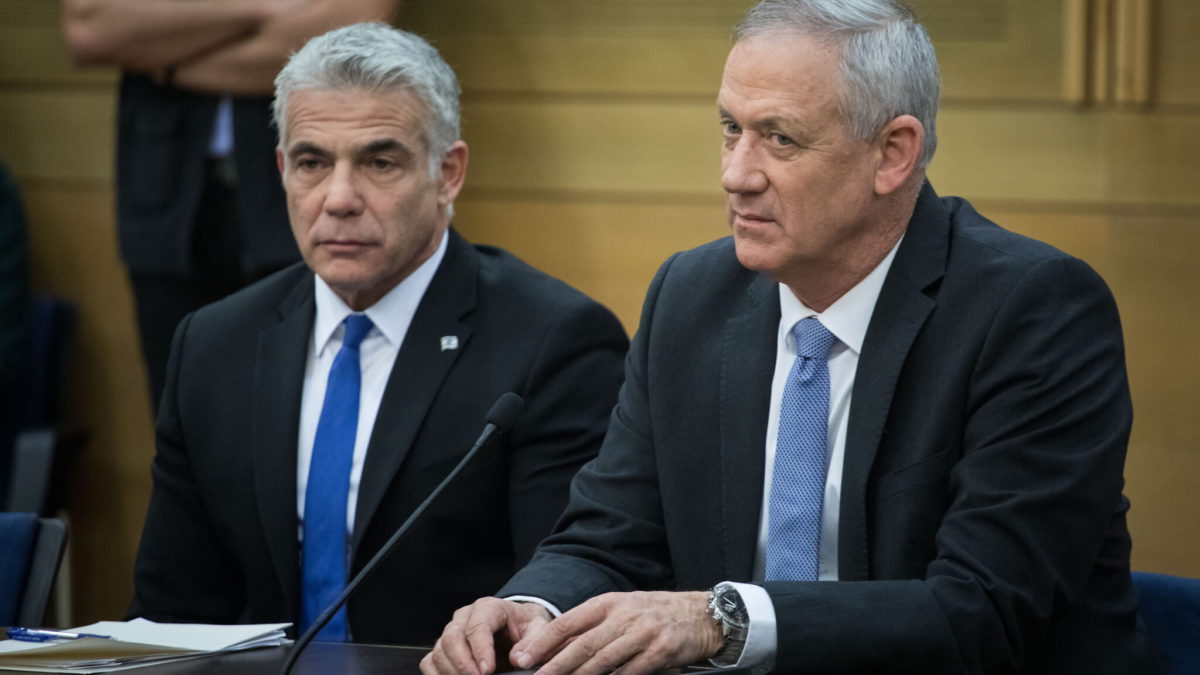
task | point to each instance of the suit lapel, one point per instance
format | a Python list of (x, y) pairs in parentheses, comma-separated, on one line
[(900, 311), (747, 365), (275, 402), (417, 376)]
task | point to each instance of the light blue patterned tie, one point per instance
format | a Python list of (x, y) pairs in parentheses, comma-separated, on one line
[(328, 488), (798, 481)]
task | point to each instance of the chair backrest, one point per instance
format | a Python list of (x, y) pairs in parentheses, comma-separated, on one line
[(1170, 606), (47, 557), (44, 447), (18, 537), (31, 550), (51, 325), (32, 471)]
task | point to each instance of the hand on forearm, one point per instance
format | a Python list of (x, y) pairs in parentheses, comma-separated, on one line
[(633, 632)]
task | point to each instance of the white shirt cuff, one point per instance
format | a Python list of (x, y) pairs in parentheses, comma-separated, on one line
[(556, 612), (761, 639)]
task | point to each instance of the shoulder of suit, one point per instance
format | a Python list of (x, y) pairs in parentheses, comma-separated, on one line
[(263, 298), (970, 229)]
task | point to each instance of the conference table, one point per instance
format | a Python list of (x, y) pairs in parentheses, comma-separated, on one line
[(321, 658)]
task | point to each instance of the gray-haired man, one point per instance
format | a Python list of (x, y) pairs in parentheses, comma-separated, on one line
[(887, 434), (308, 415)]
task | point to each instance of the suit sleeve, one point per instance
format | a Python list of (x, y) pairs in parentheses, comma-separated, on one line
[(612, 535), (183, 572), (570, 391), (1036, 488)]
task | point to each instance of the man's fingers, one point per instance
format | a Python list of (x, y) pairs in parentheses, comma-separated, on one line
[(466, 645), (574, 650), (480, 635), (457, 655), (536, 646), (437, 662), (608, 654)]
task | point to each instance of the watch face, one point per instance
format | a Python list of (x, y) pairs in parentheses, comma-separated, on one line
[(729, 604)]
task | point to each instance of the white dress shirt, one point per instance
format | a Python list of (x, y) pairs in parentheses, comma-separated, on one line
[(847, 319), (392, 316)]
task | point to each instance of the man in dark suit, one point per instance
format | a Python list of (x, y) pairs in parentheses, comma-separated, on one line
[(887, 435), (249, 445)]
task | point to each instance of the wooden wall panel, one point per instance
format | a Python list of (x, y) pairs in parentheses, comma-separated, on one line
[(608, 249), (1176, 52), (1007, 50), (1069, 156), (57, 133), (33, 53), (626, 147), (596, 65)]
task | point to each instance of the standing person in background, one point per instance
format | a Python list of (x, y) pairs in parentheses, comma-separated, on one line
[(200, 211)]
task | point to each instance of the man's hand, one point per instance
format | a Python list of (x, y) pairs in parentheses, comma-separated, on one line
[(624, 632), (468, 643)]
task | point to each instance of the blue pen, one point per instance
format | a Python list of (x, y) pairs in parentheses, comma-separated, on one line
[(40, 635)]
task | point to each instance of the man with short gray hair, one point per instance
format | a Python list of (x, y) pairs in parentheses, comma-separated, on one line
[(307, 416), (870, 432)]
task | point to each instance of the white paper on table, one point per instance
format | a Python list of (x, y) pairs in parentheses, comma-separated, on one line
[(135, 643)]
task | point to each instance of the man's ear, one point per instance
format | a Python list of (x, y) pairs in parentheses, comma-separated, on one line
[(899, 148), (279, 160), (454, 172)]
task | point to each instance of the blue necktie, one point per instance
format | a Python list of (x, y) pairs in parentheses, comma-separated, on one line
[(798, 481), (328, 488)]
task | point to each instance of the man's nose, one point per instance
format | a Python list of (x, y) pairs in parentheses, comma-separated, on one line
[(344, 197), (740, 169)]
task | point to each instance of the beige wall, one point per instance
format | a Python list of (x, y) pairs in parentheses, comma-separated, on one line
[(595, 155)]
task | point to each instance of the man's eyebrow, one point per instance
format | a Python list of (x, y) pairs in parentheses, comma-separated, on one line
[(306, 148), (385, 145)]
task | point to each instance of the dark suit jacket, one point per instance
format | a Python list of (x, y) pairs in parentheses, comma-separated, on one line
[(982, 526), (162, 146), (220, 541)]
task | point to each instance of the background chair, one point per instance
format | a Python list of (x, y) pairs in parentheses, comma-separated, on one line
[(1170, 607), (31, 550), (45, 447)]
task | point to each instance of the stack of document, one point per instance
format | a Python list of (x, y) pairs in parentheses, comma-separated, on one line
[(133, 644)]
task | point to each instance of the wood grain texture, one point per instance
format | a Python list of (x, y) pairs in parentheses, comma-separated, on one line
[(1175, 52)]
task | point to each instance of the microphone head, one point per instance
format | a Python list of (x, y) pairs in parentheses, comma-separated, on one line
[(504, 411)]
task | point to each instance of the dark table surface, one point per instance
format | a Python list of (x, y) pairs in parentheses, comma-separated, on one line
[(321, 658)]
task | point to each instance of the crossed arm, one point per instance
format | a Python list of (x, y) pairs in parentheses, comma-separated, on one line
[(228, 46)]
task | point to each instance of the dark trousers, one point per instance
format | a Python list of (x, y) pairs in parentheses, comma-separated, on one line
[(164, 300)]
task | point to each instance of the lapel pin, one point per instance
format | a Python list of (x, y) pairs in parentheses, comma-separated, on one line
[(449, 342)]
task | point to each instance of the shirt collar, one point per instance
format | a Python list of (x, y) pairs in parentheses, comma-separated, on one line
[(848, 317), (391, 315)]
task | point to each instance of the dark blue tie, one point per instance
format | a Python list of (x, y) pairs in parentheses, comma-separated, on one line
[(325, 552), (798, 481)]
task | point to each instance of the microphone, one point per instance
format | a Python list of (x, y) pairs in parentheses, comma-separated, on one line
[(500, 419)]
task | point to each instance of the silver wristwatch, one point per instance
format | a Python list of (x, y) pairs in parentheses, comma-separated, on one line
[(727, 609)]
